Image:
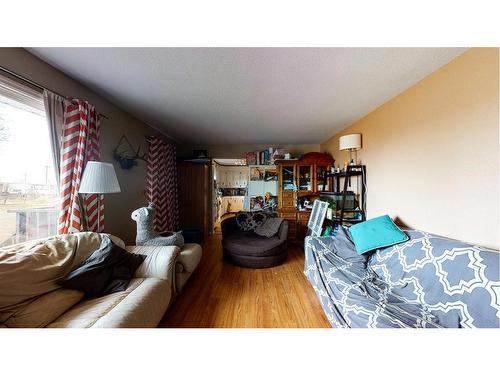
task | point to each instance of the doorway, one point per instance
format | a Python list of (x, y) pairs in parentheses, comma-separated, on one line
[(229, 193)]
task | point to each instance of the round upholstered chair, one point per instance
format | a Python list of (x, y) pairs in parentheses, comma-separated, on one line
[(248, 249)]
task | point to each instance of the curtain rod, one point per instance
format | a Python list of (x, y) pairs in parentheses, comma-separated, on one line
[(33, 83)]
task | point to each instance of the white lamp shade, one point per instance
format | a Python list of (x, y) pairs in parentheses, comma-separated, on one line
[(350, 142), (99, 178)]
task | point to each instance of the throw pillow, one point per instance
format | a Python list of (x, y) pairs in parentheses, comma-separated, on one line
[(269, 228), (376, 233), (250, 220), (107, 270)]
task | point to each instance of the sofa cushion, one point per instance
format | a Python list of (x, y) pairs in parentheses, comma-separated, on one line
[(142, 304), (250, 220), (44, 309), (159, 261), (249, 243), (270, 227), (106, 270), (31, 269)]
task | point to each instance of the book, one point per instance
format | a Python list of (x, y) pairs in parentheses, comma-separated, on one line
[(266, 157), (251, 158)]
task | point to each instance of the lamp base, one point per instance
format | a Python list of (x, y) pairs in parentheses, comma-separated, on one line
[(351, 160)]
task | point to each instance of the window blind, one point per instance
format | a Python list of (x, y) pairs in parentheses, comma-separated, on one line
[(21, 95)]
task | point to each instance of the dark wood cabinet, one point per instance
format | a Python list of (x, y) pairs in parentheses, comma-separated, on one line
[(194, 196)]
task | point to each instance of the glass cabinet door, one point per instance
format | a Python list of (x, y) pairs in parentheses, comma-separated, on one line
[(305, 178), (320, 171), (288, 177)]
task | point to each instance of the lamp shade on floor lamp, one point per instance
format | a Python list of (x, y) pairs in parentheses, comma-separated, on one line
[(99, 178)]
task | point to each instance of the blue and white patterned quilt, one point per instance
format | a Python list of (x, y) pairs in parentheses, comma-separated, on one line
[(428, 281)]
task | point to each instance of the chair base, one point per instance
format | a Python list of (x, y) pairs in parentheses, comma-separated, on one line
[(255, 261)]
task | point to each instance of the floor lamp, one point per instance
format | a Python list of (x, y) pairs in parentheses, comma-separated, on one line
[(99, 178)]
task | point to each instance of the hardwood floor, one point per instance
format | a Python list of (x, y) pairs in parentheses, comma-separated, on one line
[(222, 295)]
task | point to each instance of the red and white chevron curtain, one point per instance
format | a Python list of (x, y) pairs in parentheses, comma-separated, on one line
[(162, 184), (80, 143)]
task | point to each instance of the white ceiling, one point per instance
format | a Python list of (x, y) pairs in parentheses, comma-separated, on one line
[(248, 95)]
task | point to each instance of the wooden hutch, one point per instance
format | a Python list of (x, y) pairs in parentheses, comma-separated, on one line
[(300, 180)]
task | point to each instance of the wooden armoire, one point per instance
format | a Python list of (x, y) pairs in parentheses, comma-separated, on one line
[(194, 191)]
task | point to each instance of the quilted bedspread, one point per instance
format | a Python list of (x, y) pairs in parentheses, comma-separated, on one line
[(428, 281)]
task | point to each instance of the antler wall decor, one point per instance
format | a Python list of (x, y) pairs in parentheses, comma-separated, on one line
[(125, 153)]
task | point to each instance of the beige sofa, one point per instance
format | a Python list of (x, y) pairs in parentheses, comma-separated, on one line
[(163, 273)]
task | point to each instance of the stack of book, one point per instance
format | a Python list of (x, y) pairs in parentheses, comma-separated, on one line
[(265, 157)]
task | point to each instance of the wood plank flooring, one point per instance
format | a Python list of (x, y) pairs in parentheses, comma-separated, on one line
[(222, 295)]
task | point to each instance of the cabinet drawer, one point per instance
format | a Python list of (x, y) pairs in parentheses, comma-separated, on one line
[(303, 216), (288, 202), (288, 216)]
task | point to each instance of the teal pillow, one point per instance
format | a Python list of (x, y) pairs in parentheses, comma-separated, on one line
[(376, 233)]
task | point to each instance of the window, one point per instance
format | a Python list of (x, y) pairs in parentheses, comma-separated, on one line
[(28, 191)]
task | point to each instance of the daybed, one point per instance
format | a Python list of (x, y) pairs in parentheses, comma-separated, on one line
[(428, 281)]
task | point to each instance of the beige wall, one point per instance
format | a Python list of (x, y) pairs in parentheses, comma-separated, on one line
[(432, 152), (239, 151), (132, 182)]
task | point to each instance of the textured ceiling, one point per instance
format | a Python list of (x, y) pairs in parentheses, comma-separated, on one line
[(248, 95)]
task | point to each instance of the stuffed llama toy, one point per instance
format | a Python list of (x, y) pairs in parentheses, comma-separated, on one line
[(146, 235)]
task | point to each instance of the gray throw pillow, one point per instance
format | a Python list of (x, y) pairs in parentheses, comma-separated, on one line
[(270, 227), (250, 220)]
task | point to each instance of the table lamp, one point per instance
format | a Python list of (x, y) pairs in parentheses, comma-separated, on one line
[(351, 142)]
